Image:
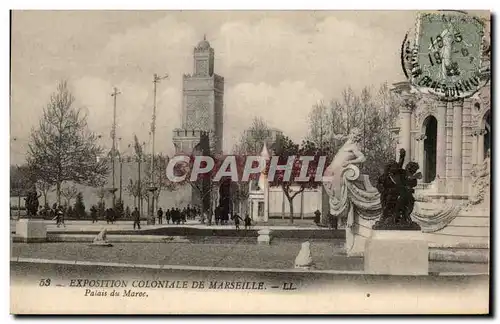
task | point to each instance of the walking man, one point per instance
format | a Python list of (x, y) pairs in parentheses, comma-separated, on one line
[(160, 216), (237, 219), (248, 222), (93, 214), (168, 214), (137, 218)]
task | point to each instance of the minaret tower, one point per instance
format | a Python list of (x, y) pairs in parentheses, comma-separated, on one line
[(202, 102)]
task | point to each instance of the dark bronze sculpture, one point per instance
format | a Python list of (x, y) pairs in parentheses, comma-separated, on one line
[(32, 202), (396, 187)]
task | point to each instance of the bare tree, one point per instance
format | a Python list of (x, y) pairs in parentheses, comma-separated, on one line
[(251, 143), (372, 113), (69, 193), (133, 190), (62, 148), (45, 187)]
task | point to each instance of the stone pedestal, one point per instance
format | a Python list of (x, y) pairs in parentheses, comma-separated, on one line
[(395, 252), (31, 230), (264, 236)]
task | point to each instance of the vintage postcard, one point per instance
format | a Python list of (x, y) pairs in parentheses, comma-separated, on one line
[(250, 162)]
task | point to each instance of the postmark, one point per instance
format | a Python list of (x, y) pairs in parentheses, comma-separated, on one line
[(443, 56)]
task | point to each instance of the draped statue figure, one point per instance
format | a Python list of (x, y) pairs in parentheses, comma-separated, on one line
[(480, 193), (351, 194)]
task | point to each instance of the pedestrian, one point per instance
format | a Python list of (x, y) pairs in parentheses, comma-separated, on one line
[(93, 214), (58, 213), (108, 215), (184, 215), (248, 222), (63, 214), (137, 218), (168, 215), (160, 216), (317, 217), (236, 219), (112, 215)]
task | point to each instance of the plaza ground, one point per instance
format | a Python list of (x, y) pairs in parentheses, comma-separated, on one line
[(232, 252)]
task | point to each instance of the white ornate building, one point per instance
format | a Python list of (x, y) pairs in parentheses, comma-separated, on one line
[(446, 138)]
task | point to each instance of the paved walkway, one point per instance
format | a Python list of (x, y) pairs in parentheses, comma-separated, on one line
[(84, 225), (236, 254)]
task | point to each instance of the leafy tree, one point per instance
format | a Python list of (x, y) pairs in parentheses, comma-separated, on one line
[(62, 148), (286, 149), (21, 180), (119, 212), (79, 206)]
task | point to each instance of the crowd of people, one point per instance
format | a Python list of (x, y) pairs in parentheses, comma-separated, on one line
[(175, 216)]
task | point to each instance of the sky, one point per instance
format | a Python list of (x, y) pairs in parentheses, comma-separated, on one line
[(276, 65)]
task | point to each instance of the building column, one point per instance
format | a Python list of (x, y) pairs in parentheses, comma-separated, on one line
[(405, 132), (480, 146), (266, 201), (441, 145), (420, 151), (456, 148), (474, 147)]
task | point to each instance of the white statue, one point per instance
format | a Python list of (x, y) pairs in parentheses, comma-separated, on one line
[(100, 239), (349, 153), (304, 258), (351, 196)]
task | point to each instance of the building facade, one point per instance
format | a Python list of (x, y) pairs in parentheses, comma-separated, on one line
[(446, 138), (265, 202)]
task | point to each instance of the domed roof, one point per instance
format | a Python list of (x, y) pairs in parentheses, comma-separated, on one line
[(204, 44)]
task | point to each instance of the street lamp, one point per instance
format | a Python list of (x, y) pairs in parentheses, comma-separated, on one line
[(156, 80)]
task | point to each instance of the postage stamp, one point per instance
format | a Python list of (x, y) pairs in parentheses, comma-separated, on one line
[(250, 162), (446, 58)]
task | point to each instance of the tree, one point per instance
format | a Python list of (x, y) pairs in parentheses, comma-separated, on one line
[(79, 207), (44, 187), (20, 180), (69, 193), (21, 183), (373, 113), (133, 190), (138, 150), (250, 144), (161, 182), (119, 211), (62, 148), (286, 149)]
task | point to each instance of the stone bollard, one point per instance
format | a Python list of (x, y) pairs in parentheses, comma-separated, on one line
[(304, 258), (264, 236)]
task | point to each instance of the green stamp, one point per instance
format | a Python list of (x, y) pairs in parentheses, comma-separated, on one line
[(446, 57)]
